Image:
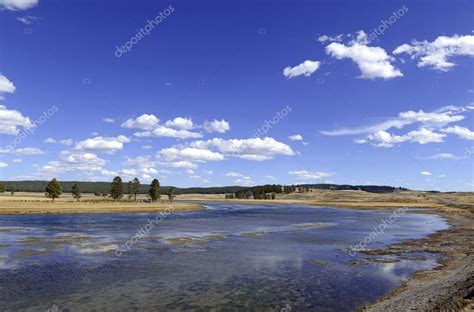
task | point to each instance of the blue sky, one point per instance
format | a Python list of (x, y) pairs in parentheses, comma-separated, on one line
[(349, 104)]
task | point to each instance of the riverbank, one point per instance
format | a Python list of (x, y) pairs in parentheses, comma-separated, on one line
[(38, 207), (449, 287)]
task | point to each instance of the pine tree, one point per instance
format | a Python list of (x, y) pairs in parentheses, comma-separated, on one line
[(171, 195), (154, 191), (116, 188), (135, 187), (76, 192), (130, 190), (53, 189), (13, 189)]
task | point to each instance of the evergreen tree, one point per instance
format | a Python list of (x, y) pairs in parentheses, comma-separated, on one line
[(13, 189), (53, 189), (2, 187), (154, 191), (116, 188), (130, 189), (76, 192), (171, 195), (135, 187)]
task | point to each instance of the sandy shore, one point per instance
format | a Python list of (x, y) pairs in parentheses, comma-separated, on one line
[(74, 208), (450, 287)]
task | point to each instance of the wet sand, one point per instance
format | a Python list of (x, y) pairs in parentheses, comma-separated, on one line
[(450, 287)]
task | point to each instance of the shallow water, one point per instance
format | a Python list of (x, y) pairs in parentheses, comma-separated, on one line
[(227, 258)]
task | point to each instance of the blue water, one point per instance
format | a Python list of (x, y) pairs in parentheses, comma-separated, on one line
[(227, 258)]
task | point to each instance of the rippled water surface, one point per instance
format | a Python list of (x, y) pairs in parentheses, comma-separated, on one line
[(227, 258)]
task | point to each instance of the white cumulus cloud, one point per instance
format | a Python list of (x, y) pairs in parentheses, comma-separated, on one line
[(108, 145), (12, 120), (220, 126), (16, 5), (296, 137), (307, 68), (438, 53), (373, 62)]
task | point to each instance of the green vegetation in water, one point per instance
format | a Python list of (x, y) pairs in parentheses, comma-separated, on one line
[(254, 234), (216, 236), (311, 226), (319, 262), (32, 252), (11, 230), (184, 240), (154, 238), (30, 240)]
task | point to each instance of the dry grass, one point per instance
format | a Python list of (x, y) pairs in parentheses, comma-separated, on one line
[(36, 203), (356, 199)]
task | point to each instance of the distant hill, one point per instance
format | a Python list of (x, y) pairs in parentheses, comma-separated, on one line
[(104, 187), (366, 188)]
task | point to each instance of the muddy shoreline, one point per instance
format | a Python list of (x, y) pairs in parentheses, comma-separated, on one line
[(449, 287)]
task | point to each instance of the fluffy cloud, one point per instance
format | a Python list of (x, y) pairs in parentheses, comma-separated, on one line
[(108, 145), (11, 120), (325, 38), (180, 123), (162, 131), (462, 132), (251, 149), (309, 175), (179, 127), (426, 173), (246, 181), (233, 174), (3, 165), (424, 136), (66, 142), (445, 156), (143, 122), (189, 154), (23, 151), (296, 137), (307, 68), (109, 120), (220, 126), (6, 86), (73, 161), (429, 127), (373, 62), (435, 54), (14, 5)]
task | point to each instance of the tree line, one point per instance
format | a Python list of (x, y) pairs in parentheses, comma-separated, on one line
[(103, 188), (116, 191)]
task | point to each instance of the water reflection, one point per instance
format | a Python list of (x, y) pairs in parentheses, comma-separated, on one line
[(228, 257)]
